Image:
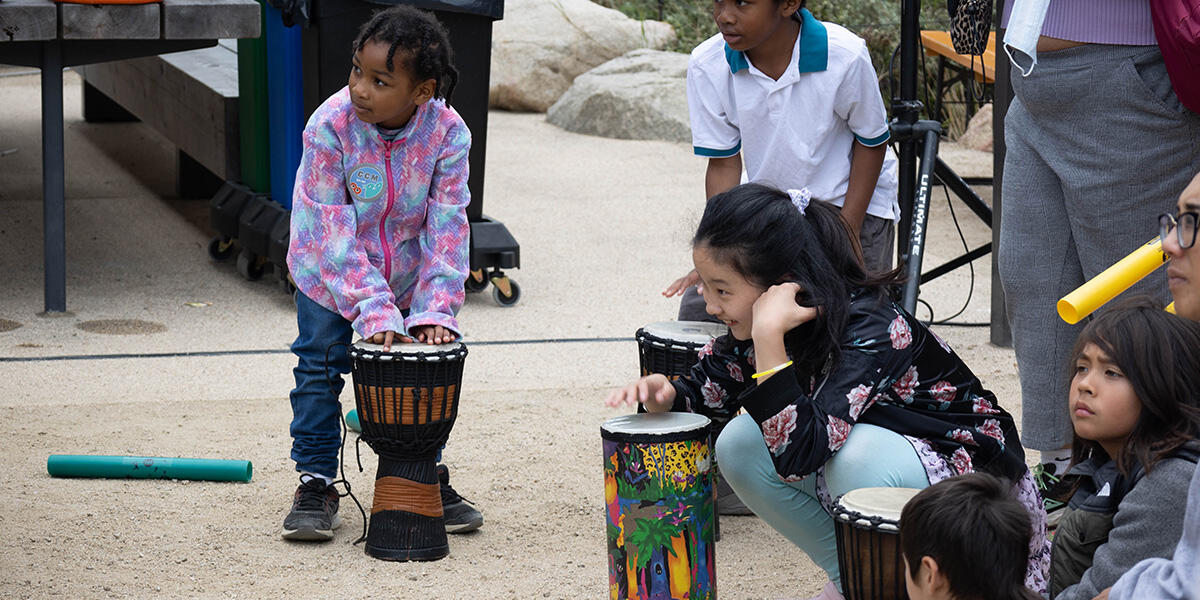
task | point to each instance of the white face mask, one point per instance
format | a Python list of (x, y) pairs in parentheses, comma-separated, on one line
[(1024, 29)]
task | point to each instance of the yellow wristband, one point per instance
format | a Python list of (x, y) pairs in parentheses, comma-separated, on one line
[(772, 370)]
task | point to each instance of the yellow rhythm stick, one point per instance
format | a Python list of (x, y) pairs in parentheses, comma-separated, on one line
[(1112, 281)]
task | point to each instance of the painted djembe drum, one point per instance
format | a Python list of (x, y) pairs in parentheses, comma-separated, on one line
[(659, 498), (866, 522), (407, 401), (671, 347)]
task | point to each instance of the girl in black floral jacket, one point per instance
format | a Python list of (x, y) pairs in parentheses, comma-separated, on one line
[(842, 388)]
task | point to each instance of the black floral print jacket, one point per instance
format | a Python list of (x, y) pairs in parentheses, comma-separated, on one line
[(893, 372)]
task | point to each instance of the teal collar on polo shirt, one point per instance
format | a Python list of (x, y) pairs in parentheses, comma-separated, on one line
[(814, 47)]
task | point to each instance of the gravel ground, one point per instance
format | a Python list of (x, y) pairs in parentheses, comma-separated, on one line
[(167, 354)]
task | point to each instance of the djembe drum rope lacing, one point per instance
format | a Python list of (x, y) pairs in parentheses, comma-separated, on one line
[(870, 521), (671, 357), (392, 424)]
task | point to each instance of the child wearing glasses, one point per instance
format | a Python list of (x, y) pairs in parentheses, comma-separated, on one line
[(1176, 578), (1183, 272), (1136, 419)]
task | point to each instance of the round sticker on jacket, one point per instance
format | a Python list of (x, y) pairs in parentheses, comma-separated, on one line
[(365, 182)]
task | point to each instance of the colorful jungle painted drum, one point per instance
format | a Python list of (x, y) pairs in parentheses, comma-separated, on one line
[(658, 492)]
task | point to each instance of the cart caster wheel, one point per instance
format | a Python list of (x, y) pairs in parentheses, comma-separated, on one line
[(500, 284), (249, 266), (220, 249), (476, 282)]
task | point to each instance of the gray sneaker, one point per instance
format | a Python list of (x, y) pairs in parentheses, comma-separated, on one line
[(314, 513), (459, 515)]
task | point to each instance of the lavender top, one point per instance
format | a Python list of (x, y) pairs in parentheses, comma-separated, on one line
[(1122, 22)]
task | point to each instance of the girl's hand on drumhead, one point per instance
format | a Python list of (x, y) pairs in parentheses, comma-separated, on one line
[(776, 311), (385, 338), (434, 334), (655, 392)]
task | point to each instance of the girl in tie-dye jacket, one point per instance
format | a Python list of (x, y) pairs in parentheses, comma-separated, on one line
[(378, 239), (379, 225)]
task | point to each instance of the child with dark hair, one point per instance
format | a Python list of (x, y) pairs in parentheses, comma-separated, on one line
[(966, 538), (1136, 418), (842, 388), (378, 239), (1177, 578), (795, 102)]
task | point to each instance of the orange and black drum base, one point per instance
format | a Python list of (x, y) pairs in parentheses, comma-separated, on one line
[(406, 515), (407, 400)]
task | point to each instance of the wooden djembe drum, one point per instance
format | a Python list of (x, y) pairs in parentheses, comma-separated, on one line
[(407, 401)]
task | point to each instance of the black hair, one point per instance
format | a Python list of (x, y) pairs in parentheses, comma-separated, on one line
[(756, 230), (976, 531), (1159, 354), (425, 44)]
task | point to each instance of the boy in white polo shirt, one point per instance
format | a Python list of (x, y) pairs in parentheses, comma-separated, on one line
[(799, 99)]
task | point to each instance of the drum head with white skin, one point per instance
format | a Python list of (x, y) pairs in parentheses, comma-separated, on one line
[(881, 503), (404, 351), (655, 427), (695, 332)]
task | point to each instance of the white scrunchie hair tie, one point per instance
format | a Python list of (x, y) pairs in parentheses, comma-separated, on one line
[(800, 198)]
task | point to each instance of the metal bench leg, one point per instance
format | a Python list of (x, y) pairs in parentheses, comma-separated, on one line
[(941, 89), (53, 187)]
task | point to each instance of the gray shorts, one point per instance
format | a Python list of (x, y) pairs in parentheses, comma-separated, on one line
[(878, 240)]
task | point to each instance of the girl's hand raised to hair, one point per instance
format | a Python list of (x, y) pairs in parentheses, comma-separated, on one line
[(680, 285), (776, 311), (655, 392), (386, 338)]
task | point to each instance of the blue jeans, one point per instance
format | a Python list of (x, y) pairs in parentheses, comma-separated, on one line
[(316, 412), (871, 457)]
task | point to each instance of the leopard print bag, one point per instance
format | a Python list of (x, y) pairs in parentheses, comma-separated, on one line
[(970, 23)]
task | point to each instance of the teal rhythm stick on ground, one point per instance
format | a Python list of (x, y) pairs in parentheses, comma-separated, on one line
[(148, 467)]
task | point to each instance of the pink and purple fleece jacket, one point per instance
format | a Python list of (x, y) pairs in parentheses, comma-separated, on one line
[(378, 226)]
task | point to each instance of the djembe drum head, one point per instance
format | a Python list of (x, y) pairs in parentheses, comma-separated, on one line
[(867, 525), (671, 347)]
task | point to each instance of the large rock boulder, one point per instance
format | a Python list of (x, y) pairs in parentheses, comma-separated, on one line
[(639, 96), (542, 45), (978, 135)]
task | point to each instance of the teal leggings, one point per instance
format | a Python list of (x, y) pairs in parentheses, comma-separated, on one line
[(871, 457)]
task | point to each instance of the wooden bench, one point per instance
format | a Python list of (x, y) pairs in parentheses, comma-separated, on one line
[(51, 36), (190, 98), (966, 70)]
